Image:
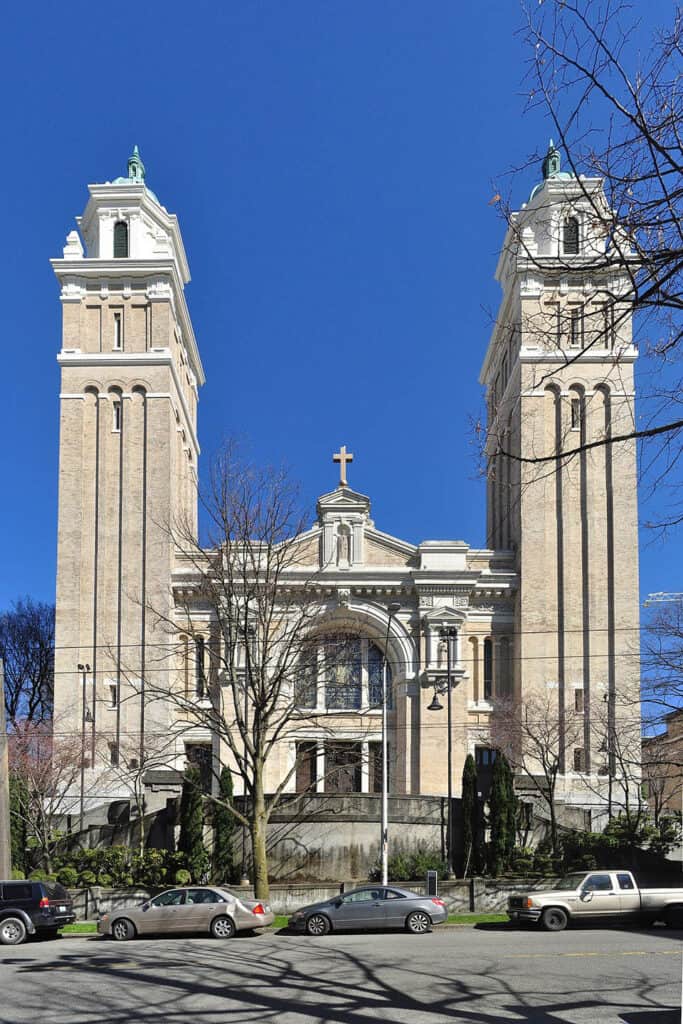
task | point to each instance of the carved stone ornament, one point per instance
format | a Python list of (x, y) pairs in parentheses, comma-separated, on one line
[(343, 596)]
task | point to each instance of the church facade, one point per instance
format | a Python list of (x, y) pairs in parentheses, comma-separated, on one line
[(548, 611)]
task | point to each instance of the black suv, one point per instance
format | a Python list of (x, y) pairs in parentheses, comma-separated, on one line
[(32, 908)]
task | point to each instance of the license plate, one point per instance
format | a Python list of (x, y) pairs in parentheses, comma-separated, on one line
[(62, 910)]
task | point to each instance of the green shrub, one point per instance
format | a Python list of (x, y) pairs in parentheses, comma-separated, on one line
[(105, 880), (406, 866), (191, 838), (543, 863), (150, 868), (225, 828), (182, 877), (17, 875), (68, 877), (87, 878), (522, 859)]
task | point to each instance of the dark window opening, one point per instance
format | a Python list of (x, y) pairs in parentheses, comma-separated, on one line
[(200, 673), (120, 240), (484, 757), (306, 767), (488, 668), (570, 239), (199, 754), (375, 767), (343, 767), (576, 328)]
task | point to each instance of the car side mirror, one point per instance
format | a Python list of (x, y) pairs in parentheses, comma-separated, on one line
[(338, 903), (145, 906), (586, 895)]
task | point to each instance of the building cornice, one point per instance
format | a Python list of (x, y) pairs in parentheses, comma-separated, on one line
[(68, 272)]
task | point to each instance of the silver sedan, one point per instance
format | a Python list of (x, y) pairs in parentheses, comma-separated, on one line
[(209, 909), (372, 906)]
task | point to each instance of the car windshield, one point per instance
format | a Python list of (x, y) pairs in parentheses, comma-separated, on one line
[(572, 881)]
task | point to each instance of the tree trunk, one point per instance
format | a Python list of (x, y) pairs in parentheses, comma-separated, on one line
[(258, 842), (553, 824)]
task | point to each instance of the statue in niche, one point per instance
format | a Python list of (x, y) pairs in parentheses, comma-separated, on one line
[(442, 654), (343, 546)]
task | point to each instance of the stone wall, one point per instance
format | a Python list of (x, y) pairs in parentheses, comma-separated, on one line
[(472, 895), (327, 839)]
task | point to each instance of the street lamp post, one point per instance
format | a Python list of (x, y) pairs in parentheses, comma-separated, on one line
[(85, 717), (384, 838), (448, 634)]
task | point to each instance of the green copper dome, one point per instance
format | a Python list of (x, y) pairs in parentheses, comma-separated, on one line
[(136, 173), (551, 169)]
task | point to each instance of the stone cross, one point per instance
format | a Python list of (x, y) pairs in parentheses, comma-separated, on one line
[(342, 456)]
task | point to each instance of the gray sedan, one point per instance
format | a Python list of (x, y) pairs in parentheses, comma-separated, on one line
[(373, 906), (209, 909)]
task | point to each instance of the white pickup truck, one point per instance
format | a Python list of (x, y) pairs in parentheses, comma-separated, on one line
[(587, 895)]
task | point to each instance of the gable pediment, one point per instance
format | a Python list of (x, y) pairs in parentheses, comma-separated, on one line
[(343, 499)]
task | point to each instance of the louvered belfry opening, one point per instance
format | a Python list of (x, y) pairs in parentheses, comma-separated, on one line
[(120, 240), (571, 236)]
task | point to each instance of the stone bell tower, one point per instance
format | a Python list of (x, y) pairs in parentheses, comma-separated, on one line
[(558, 375), (130, 373)]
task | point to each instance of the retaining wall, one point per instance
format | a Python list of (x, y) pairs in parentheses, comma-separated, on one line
[(471, 895)]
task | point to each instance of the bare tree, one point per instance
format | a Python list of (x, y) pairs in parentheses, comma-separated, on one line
[(245, 663), (618, 114), (46, 768), (535, 740), (27, 636), (663, 774), (662, 661)]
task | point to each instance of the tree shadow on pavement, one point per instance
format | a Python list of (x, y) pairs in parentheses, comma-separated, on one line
[(316, 981)]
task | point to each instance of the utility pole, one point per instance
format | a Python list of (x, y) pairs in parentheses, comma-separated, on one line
[(5, 842)]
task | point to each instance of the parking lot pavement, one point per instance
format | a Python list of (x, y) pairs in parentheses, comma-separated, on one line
[(483, 975)]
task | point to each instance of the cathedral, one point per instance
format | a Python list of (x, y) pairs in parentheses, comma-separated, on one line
[(547, 612)]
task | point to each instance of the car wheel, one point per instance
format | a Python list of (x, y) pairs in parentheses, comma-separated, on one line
[(123, 929), (12, 931), (317, 924), (223, 927), (418, 922), (554, 919)]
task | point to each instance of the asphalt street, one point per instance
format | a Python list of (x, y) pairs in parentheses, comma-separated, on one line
[(481, 975)]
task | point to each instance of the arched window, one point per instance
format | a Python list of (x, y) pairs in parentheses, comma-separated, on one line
[(570, 237), (120, 240)]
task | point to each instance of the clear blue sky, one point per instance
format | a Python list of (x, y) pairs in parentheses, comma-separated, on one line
[(331, 165)]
